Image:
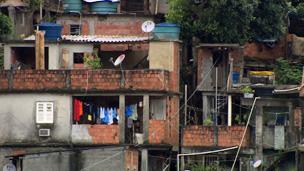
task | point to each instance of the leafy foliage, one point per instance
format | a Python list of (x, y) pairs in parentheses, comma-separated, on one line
[(269, 19), (6, 25), (229, 21), (92, 61), (300, 10), (34, 4), (215, 21), (246, 89), (287, 73)]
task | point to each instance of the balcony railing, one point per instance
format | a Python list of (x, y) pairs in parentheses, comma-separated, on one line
[(83, 80)]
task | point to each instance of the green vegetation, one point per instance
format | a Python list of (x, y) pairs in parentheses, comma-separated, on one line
[(6, 26), (92, 61), (229, 21), (34, 4), (207, 121), (287, 73), (246, 89), (269, 19)]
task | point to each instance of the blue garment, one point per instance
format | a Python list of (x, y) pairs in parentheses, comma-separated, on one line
[(106, 116), (129, 111), (115, 113)]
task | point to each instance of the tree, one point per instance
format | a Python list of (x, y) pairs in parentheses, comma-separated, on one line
[(217, 21), (6, 25), (269, 19), (229, 21)]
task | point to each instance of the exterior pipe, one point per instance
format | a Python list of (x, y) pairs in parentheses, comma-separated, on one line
[(248, 120)]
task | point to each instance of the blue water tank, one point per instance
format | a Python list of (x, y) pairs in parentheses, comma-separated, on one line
[(235, 77), (72, 5), (52, 30), (104, 7), (166, 31)]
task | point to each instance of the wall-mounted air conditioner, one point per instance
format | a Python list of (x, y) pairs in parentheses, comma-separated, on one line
[(44, 132)]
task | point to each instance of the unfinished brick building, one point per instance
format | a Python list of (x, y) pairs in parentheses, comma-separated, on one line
[(40, 122), (223, 70)]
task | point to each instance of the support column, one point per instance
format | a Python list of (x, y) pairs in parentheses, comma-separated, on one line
[(206, 107), (293, 137), (146, 118), (122, 119), (229, 110), (144, 160), (259, 133)]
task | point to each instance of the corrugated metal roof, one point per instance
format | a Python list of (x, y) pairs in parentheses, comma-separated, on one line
[(103, 39), (99, 38), (13, 3)]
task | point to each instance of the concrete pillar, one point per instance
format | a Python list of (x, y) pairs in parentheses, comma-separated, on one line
[(259, 133), (146, 118), (206, 107), (144, 160), (122, 119), (229, 110)]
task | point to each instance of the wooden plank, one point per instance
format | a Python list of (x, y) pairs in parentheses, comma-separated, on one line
[(39, 50)]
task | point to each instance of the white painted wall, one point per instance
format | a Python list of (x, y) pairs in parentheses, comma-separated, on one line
[(75, 48), (17, 118)]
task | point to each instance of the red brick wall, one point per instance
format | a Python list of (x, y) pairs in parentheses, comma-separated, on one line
[(174, 75), (38, 80), (298, 117), (260, 51), (203, 136), (91, 80), (131, 160), (104, 134), (157, 131), (3, 79), (172, 120)]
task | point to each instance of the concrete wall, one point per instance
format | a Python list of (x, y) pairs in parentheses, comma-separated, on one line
[(17, 118), (161, 55), (75, 48)]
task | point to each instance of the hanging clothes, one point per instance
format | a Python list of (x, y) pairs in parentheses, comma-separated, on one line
[(134, 115), (77, 110), (129, 123), (110, 113), (128, 111), (106, 117)]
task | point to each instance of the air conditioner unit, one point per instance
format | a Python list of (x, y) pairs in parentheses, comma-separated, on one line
[(44, 132)]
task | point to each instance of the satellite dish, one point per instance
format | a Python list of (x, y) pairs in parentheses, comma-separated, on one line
[(257, 163), (119, 59), (148, 26)]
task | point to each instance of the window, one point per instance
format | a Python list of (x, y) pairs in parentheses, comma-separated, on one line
[(78, 58), (44, 112), (158, 108), (74, 29)]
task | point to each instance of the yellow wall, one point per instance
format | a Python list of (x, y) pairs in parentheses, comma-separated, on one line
[(161, 55)]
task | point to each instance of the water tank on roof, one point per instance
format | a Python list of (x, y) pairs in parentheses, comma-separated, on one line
[(166, 31), (52, 30), (104, 7), (72, 5)]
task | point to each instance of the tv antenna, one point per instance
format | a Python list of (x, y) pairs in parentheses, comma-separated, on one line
[(117, 62)]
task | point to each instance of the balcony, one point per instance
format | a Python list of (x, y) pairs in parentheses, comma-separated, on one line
[(203, 136), (83, 80)]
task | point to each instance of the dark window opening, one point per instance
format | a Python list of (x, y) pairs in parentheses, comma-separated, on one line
[(78, 58), (24, 58), (74, 29)]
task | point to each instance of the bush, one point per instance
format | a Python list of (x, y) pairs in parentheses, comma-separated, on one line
[(287, 73), (6, 26)]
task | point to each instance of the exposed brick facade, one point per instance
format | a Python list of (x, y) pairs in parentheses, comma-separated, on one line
[(81, 80), (157, 131), (104, 134), (261, 51), (203, 136), (298, 117)]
